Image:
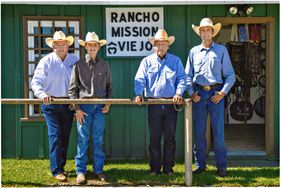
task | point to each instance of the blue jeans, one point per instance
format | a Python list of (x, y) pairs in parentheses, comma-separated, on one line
[(94, 122), (162, 122), (59, 121), (200, 112)]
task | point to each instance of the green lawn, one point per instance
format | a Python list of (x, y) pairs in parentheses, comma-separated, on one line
[(18, 173)]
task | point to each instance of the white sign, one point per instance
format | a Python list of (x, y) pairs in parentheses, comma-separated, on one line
[(128, 30)]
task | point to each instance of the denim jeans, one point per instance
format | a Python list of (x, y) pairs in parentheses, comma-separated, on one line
[(59, 122), (94, 122), (162, 121), (200, 111)]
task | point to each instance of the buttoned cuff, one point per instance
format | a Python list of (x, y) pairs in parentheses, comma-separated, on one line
[(179, 92), (225, 91), (190, 91), (42, 95)]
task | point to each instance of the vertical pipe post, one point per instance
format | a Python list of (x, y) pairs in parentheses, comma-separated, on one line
[(188, 143)]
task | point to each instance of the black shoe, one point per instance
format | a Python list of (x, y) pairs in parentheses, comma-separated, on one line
[(222, 172), (101, 176), (153, 173), (199, 170), (169, 173)]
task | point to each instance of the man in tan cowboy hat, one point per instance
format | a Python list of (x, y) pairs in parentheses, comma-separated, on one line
[(91, 78), (51, 80), (210, 76), (161, 75)]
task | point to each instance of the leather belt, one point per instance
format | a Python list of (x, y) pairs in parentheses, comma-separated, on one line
[(59, 97), (207, 87)]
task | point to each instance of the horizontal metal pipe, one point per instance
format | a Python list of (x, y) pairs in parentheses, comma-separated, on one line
[(88, 101)]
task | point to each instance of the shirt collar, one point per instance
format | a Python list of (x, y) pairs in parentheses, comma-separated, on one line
[(89, 60), (202, 48), (159, 59)]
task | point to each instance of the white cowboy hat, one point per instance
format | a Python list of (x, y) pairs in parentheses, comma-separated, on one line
[(161, 35), (59, 36), (92, 37), (207, 22)]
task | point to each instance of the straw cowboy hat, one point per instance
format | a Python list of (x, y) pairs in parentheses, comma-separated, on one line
[(161, 35), (59, 36), (207, 22), (92, 37)]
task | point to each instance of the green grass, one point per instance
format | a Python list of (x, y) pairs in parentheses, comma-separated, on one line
[(18, 173)]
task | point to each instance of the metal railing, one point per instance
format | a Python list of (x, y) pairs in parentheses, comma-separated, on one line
[(187, 121)]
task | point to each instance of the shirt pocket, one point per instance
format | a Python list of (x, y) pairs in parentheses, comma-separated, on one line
[(170, 74), (215, 65), (152, 75), (152, 70)]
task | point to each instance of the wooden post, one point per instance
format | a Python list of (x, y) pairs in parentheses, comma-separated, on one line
[(188, 143)]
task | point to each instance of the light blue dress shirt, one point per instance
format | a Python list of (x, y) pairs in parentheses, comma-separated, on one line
[(52, 76), (208, 66), (160, 78)]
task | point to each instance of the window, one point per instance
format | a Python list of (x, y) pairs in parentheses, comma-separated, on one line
[(36, 30)]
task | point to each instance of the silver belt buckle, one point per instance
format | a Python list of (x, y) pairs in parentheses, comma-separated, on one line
[(206, 88)]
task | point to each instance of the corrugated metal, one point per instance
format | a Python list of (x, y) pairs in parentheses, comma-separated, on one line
[(126, 129)]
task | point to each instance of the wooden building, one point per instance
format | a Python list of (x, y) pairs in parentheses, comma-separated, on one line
[(25, 27)]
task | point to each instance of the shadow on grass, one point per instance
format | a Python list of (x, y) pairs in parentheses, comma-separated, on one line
[(129, 177), (239, 177), (10, 183), (142, 177)]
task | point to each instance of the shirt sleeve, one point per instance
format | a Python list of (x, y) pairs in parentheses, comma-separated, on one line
[(109, 86), (140, 79), (181, 79), (74, 85), (227, 72), (39, 78), (189, 70)]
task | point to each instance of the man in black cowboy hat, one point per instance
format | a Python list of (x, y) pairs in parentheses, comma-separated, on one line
[(51, 80), (161, 75), (210, 76)]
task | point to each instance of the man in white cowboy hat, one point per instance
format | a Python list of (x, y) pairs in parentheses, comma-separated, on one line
[(91, 78), (51, 80), (161, 75), (210, 76)]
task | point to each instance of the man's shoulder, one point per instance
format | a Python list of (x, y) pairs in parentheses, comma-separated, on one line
[(219, 46), (151, 56), (170, 55), (101, 60), (80, 61), (73, 56), (148, 59), (47, 58), (195, 48)]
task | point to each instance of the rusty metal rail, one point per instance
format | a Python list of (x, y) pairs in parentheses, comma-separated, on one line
[(187, 122)]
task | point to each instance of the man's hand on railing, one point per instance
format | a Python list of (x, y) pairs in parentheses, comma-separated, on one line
[(47, 99), (138, 99), (178, 99), (106, 108)]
